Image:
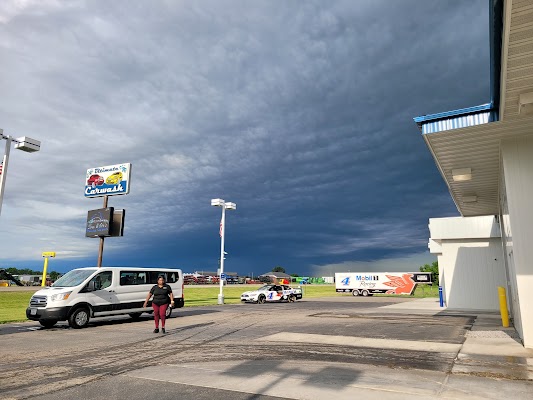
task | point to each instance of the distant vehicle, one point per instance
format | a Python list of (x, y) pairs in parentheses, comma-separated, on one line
[(84, 293), (368, 283), (271, 293), (95, 180), (114, 179)]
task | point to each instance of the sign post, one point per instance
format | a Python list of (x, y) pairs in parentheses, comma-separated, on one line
[(101, 247)]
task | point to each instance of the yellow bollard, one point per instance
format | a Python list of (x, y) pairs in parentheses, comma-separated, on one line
[(503, 306), (44, 271)]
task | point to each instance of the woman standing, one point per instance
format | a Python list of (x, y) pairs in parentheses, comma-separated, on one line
[(162, 298)]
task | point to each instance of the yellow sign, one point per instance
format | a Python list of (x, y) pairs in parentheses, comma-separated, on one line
[(49, 254)]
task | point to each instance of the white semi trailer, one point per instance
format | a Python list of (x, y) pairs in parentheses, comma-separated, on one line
[(368, 283)]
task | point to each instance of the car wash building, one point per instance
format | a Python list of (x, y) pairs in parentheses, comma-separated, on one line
[(485, 156)]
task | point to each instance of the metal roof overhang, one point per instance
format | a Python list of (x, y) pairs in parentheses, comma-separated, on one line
[(476, 147)]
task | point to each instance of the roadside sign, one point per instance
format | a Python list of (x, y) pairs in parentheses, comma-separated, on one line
[(99, 222), (222, 276), (109, 180)]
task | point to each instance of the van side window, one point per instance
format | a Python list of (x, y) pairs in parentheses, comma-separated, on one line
[(170, 277), (103, 280), (128, 278)]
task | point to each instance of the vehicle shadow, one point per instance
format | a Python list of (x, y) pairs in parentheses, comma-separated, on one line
[(125, 319)]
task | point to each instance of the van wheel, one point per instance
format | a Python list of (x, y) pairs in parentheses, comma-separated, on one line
[(365, 293), (355, 292), (135, 315), (79, 318), (261, 299), (47, 323), (168, 312)]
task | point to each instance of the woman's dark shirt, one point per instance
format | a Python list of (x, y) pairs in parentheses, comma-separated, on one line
[(161, 294)]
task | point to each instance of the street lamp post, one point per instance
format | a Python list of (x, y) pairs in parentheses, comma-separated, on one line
[(225, 206), (26, 144)]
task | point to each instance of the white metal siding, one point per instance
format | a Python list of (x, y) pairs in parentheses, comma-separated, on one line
[(507, 243), (517, 156), (464, 228), (471, 273)]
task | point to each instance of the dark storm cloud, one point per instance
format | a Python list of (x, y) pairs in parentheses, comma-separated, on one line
[(300, 112)]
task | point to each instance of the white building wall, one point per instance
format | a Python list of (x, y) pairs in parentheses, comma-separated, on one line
[(517, 158), (507, 244), (470, 273), (471, 263)]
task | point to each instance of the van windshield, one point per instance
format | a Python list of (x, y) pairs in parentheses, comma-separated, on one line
[(73, 278)]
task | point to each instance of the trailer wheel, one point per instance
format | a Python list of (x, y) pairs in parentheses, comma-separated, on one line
[(355, 292), (79, 318), (365, 293), (261, 299)]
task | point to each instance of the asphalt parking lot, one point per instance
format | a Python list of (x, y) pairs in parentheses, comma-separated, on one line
[(309, 349)]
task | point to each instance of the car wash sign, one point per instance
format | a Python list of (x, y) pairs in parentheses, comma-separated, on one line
[(108, 181)]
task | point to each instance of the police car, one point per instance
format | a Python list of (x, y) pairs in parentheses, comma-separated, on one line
[(271, 293)]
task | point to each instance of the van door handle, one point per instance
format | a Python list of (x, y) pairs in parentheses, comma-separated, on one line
[(111, 291)]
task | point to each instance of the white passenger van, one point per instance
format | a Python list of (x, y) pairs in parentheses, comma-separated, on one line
[(84, 293)]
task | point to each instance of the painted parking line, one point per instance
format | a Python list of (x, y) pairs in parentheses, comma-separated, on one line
[(352, 341)]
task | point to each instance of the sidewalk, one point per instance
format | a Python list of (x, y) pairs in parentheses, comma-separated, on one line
[(489, 349)]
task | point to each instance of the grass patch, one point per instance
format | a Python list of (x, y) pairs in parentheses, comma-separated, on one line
[(13, 304)]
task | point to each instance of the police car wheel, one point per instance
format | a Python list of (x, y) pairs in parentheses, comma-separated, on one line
[(261, 299), (292, 298)]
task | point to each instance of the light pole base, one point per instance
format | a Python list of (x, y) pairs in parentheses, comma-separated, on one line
[(220, 299)]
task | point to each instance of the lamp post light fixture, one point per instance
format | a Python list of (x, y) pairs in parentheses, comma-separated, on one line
[(24, 143), (225, 206)]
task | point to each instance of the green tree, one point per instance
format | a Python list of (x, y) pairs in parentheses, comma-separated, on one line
[(278, 269), (54, 275), (295, 275), (434, 269)]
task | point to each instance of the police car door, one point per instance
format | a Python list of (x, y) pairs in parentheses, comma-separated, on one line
[(273, 294)]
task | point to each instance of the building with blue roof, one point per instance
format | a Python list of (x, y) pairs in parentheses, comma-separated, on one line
[(485, 156)]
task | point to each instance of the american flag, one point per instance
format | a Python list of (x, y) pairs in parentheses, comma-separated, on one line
[(220, 231), (1, 167)]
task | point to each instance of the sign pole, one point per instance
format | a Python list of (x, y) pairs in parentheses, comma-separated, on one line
[(101, 248), (222, 234)]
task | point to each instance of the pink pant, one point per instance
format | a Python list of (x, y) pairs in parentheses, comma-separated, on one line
[(159, 314)]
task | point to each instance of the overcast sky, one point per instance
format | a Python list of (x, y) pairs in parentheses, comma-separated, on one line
[(298, 111)]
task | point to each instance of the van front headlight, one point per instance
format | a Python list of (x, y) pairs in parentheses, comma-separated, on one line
[(60, 296)]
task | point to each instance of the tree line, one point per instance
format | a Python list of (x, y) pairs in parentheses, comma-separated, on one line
[(27, 271)]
